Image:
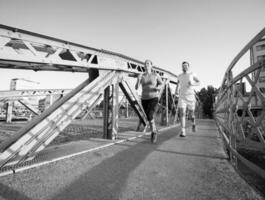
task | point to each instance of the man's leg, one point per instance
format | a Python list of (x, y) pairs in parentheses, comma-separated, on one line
[(191, 107), (193, 121), (182, 113)]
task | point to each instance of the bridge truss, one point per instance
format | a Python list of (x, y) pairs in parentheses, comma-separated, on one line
[(108, 72), (240, 115)]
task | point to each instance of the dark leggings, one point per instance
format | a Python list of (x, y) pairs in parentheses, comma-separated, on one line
[(149, 106)]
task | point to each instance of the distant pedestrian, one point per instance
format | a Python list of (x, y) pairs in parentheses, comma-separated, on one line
[(186, 93), (151, 84)]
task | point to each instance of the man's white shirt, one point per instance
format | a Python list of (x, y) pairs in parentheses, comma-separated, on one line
[(186, 91)]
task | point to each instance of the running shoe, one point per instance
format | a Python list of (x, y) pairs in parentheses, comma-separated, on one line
[(154, 137), (182, 134), (194, 129)]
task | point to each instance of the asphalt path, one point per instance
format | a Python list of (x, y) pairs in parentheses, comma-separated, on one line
[(194, 167)]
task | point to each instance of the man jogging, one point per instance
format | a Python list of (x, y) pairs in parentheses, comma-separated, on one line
[(185, 90)]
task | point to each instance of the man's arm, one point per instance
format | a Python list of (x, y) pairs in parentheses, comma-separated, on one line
[(195, 81)]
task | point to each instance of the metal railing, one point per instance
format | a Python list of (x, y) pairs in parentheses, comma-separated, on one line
[(240, 114)]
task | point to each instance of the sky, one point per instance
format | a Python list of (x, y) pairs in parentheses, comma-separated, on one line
[(206, 33)]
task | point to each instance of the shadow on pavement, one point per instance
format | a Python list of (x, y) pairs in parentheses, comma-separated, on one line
[(9, 193), (107, 180), (192, 154), (185, 154)]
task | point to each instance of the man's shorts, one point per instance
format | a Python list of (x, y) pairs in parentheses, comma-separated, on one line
[(183, 103)]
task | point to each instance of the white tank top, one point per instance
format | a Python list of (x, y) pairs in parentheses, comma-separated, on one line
[(186, 91)]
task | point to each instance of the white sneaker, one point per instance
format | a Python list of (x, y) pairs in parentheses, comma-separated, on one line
[(183, 133)]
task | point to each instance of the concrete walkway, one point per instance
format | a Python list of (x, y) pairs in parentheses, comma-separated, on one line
[(194, 167)]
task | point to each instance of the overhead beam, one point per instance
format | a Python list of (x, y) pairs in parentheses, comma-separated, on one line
[(22, 49)]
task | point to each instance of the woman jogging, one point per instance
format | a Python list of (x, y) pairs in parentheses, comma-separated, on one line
[(151, 85)]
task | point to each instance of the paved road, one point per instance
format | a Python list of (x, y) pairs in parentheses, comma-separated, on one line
[(194, 167)]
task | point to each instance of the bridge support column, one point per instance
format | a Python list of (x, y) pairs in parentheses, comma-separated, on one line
[(127, 109), (111, 111), (50, 99), (10, 104), (106, 113), (9, 109), (115, 109), (167, 87), (164, 102)]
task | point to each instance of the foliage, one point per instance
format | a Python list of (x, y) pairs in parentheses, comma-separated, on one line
[(207, 98)]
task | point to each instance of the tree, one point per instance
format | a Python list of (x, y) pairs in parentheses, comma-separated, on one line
[(207, 97)]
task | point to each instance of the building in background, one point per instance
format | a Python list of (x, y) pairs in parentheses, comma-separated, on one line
[(15, 108), (257, 53)]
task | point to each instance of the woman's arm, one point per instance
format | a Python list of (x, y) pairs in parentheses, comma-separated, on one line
[(159, 82), (138, 82)]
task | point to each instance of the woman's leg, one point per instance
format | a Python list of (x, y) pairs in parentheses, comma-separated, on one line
[(150, 115), (145, 107), (139, 126)]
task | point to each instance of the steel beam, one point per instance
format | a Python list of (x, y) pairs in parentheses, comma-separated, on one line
[(33, 110), (134, 100)]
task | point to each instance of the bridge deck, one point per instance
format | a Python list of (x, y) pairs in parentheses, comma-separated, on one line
[(194, 167)]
